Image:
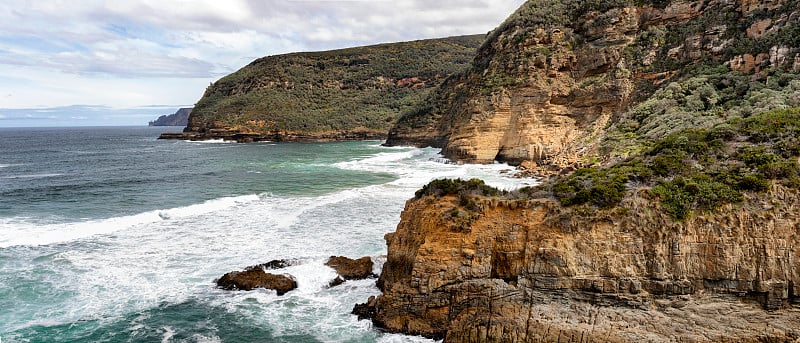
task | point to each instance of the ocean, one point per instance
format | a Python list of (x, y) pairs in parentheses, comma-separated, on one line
[(110, 235)]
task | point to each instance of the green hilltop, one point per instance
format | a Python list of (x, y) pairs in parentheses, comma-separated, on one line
[(322, 93)]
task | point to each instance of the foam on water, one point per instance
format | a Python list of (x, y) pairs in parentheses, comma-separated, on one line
[(19, 231), (108, 269)]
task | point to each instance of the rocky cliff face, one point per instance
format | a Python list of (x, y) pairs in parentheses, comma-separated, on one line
[(531, 270), (549, 81)]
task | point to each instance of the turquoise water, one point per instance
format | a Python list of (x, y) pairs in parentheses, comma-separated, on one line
[(109, 235)]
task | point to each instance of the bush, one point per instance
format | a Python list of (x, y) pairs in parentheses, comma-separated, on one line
[(698, 169), (442, 187)]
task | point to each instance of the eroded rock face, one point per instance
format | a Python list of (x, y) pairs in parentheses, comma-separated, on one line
[(255, 277), (532, 271), (544, 90), (351, 269)]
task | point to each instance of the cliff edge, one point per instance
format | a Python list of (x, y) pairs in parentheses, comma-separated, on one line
[(559, 77), (695, 239), (534, 271)]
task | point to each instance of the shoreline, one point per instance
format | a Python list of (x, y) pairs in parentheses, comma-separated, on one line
[(277, 136)]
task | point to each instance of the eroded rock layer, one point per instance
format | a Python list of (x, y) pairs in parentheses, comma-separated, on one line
[(546, 83), (533, 271)]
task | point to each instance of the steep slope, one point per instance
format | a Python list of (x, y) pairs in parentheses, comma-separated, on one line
[(697, 239), (549, 81), (341, 94)]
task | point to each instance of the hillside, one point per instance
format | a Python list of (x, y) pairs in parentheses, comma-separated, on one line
[(342, 94), (670, 131), (179, 118), (551, 80)]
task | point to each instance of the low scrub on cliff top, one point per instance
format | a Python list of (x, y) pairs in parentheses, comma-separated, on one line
[(442, 187), (363, 87), (698, 169)]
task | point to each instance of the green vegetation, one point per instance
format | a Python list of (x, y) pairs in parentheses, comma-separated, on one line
[(698, 169), (463, 188), (365, 87)]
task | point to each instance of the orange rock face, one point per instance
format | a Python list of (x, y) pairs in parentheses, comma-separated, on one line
[(545, 92), (532, 271)]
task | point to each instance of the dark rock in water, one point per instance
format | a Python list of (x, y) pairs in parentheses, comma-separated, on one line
[(274, 264), (335, 282), (351, 269), (255, 277), (366, 310)]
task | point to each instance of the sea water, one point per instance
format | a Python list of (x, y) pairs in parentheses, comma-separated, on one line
[(109, 235)]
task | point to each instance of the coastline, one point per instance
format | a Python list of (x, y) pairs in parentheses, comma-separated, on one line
[(276, 136)]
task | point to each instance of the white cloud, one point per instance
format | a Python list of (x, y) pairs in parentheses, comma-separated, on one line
[(58, 52)]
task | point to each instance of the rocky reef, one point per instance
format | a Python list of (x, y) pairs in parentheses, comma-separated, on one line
[(351, 269), (532, 270), (550, 82), (255, 277)]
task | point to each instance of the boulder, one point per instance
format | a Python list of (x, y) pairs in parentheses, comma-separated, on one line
[(351, 269), (255, 277)]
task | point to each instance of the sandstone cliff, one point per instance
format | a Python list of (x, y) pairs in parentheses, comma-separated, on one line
[(531, 270), (549, 82), (355, 93)]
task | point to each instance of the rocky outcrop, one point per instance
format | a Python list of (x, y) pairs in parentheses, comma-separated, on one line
[(548, 81), (179, 118), (530, 270), (351, 269), (255, 277)]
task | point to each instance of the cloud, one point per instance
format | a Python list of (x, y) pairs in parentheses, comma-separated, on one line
[(151, 38), (129, 53)]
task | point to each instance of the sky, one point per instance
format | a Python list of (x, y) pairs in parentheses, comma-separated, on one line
[(124, 62)]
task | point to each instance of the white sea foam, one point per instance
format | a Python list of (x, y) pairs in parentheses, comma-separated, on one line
[(19, 231), (137, 263), (213, 141)]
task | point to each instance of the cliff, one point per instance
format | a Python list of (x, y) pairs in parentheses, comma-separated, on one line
[(534, 271), (562, 80), (353, 93), (695, 239), (179, 118)]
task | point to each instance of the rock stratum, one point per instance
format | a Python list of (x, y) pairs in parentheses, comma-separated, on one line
[(531, 270), (548, 83), (349, 94), (675, 215)]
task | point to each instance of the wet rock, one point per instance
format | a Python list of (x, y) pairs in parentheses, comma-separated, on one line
[(351, 269), (274, 264), (365, 311), (255, 277), (335, 282)]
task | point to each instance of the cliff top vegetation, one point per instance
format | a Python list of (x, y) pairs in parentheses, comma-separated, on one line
[(690, 170), (364, 87)]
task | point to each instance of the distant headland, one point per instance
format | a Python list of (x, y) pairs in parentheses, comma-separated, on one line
[(179, 118)]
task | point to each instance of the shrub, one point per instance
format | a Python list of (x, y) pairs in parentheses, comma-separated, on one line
[(442, 187)]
